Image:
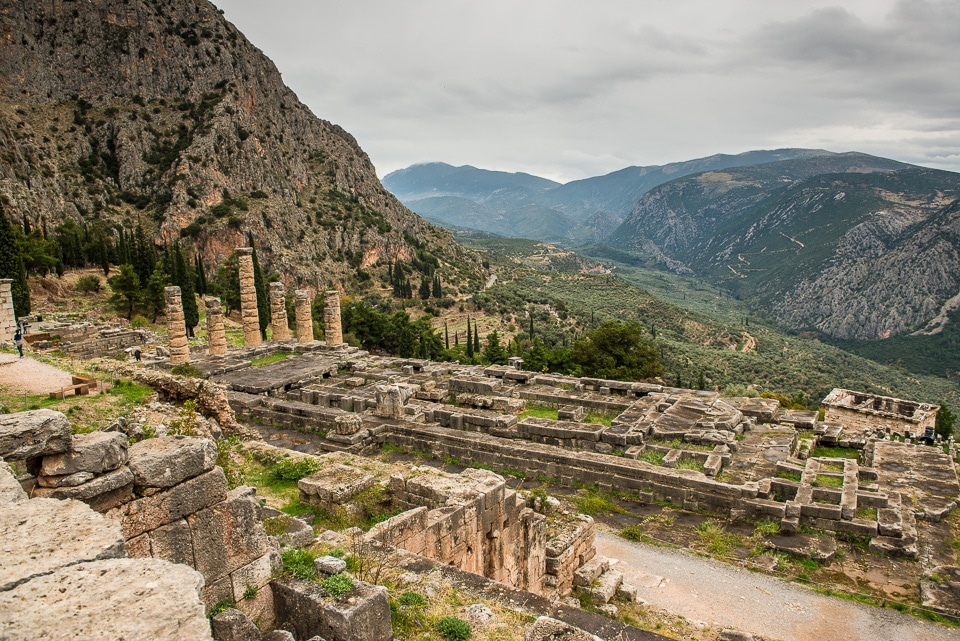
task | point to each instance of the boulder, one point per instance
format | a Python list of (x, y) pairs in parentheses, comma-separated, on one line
[(108, 599), (39, 536), (171, 460), (10, 489), (233, 625), (96, 452), (34, 433), (547, 629), (101, 493), (329, 565)]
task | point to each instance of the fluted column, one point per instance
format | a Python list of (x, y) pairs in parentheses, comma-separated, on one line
[(176, 328), (332, 330), (304, 317), (278, 312), (248, 298), (216, 336)]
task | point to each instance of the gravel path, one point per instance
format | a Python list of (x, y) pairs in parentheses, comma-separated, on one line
[(27, 376), (723, 595)]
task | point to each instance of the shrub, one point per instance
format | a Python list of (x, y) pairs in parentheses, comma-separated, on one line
[(294, 470), (337, 584), (186, 370), (89, 283), (412, 600), (299, 563), (139, 322), (453, 629)]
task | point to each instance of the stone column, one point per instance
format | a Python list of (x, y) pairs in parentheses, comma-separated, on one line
[(216, 337), (278, 312), (8, 316), (176, 328), (304, 317), (332, 330), (248, 298)]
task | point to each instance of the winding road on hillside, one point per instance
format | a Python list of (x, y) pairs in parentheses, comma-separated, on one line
[(723, 595)]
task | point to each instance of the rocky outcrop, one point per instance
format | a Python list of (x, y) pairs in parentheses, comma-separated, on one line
[(163, 111)]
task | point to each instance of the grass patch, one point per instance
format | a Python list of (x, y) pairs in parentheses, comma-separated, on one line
[(299, 563), (651, 456), (836, 452), (539, 411), (826, 480), (592, 501), (185, 369), (790, 476), (679, 444), (270, 359), (717, 541), (689, 464), (867, 513), (337, 585), (831, 467), (600, 418)]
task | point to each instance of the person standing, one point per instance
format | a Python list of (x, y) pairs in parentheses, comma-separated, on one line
[(18, 341)]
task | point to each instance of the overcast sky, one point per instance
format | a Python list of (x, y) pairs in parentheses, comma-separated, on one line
[(570, 89)]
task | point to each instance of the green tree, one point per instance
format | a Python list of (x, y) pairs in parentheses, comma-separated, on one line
[(183, 278), (617, 351), (153, 293), (424, 288), (201, 276), (476, 339), (945, 421), (469, 340), (226, 283), (260, 283), (126, 291), (494, 352), (11, 264)]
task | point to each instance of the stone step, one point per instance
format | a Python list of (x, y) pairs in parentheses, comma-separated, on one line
[(606, 586)]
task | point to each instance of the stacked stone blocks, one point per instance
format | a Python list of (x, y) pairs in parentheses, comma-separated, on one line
[(278, 312), (176, 328), (216, 335), (248, 298)]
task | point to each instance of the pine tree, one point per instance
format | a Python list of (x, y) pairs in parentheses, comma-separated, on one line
[(153, 292), (11, 265), (126, 290), (260, 283)]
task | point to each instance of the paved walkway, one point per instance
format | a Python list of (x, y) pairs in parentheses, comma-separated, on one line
[(723, 595)]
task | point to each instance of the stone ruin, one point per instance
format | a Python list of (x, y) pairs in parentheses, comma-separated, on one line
[(8, 317), (870, 413)]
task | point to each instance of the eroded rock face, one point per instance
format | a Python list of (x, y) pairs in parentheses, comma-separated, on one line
[(171, 460), (34, 433), (10, 489), (108, 599), (547, 629)]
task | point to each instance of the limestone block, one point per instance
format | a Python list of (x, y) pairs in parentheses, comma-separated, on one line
[(70, 480), (34, 433), (627, 593), (172, 542), (110, 599), (228, 535), (334, 485), (606, 586), (729, 634), (348, 424), (150, 512), (329, 565), (304, 319), (233, 625), (102, 493), (547, 629), (96, 452), (10, 489), (138, 547), (590, 571), (170, 460), (257, 573), (361, 615), (278, 312), (279, 635), (39, 536)]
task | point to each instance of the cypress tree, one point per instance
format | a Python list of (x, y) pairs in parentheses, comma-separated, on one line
[(104, 257), (469, 340), (476, 339), (424, 288), (456, 338), (260, 283), (11, 266), (531, 325), (437, 288), (191, 314), (446, 335), (201, 277)]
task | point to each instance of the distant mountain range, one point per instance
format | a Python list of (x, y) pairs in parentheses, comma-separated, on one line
[(846, 244), (523, 206)]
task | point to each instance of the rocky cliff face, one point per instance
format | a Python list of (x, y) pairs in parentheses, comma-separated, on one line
[(160, 110), (849, 245)]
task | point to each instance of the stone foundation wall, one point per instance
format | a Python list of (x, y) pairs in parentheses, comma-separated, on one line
[(105, 345)]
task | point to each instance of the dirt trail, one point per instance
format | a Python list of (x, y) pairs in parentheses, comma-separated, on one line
[(27, 376), (723, 595)]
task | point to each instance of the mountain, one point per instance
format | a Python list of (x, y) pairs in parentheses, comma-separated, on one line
[(521, 205), (850, 245), (161, 111)]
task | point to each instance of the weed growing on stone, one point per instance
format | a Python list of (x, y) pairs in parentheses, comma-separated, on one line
[(337, 585), (299, 563), (591, 501), (538, 411), (269, 359), (718, 541), (690, 464)]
